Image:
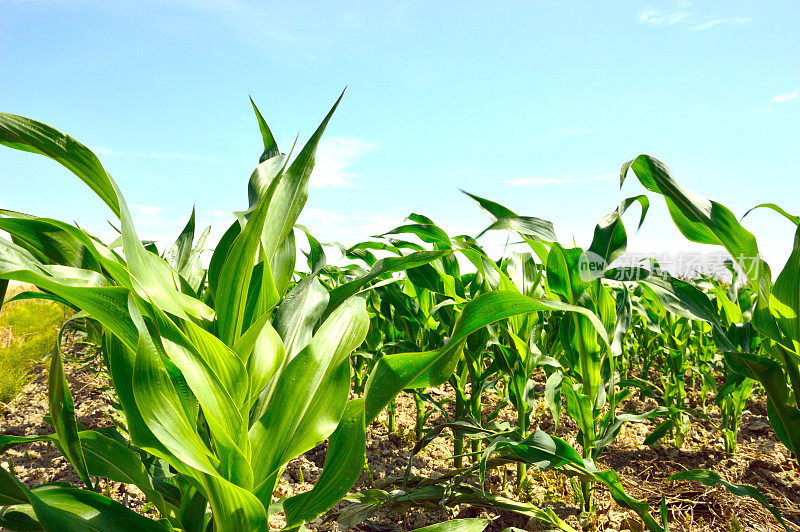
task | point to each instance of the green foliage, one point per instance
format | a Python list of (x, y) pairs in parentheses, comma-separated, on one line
[(28, 330), (214, 378), (224, 374)]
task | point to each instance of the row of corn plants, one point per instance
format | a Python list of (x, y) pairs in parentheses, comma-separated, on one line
[(224, 373), (663, 335)]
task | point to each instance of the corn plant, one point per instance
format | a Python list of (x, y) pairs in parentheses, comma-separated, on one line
[(223, 376), (598, 430), (734, 304), (775, 314)]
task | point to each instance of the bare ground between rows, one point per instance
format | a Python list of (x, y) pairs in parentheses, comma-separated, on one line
[(762, 462)]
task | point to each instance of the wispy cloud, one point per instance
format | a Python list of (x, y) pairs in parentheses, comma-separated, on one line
[(788, 97), (347, 227), (193, 157), (684, 17), (147, 214), (536, 181), (335, 156)]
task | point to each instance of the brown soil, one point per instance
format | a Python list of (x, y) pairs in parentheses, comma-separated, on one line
[(762, 461)]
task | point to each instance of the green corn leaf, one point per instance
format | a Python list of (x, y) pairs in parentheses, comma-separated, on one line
[(11, 492), (62, 411), (299, 313), (383, 266), (660, 431), (699, 219), (549, 452), (710, 478), (456, 525), (67, 509), (19, 517), (786, 418), (580, 408), (193, 272), (233, 507), (565, 276), (707, 222), (57, 243), (153, 275), (495, 209), (624, 313), (683, 299), (49, 243), (394, 373), (153, 278), (610, 432), (216, 378), (72, 510), (528, 226), (610, 238), (292, 192), (263, 175), (162, 410), (266, 361), (611, 480), (785, 298), (552, 396), (791, 217), (193, 516), (107, 458), (29, 135), (427, 232), (121, 361), (344, 460), (237, 271), (178, 254), (270, 146), (220, 256), (309, 397), (3, 289)]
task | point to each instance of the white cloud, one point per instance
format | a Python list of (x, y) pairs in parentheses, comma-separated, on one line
[(147, 214), (345, 227), (682, 16), (194, 157), (789, 96), (566, 180), (335, 155)]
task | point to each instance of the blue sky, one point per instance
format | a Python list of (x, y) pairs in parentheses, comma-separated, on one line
[(533, 104)]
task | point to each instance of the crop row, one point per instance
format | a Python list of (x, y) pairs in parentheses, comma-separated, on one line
[(224, 374)]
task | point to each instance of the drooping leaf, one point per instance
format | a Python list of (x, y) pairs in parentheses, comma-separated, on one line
[(344, 460), (62, 412), (29, 135), (710, 478)]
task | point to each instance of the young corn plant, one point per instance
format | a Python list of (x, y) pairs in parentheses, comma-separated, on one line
[(590, 379), (426, 306), (673, 347), (223, 375), (403, 315), (585, 327), (775, 315), (734, 305)]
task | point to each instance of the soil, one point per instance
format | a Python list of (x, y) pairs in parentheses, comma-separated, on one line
[(761, 461)]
